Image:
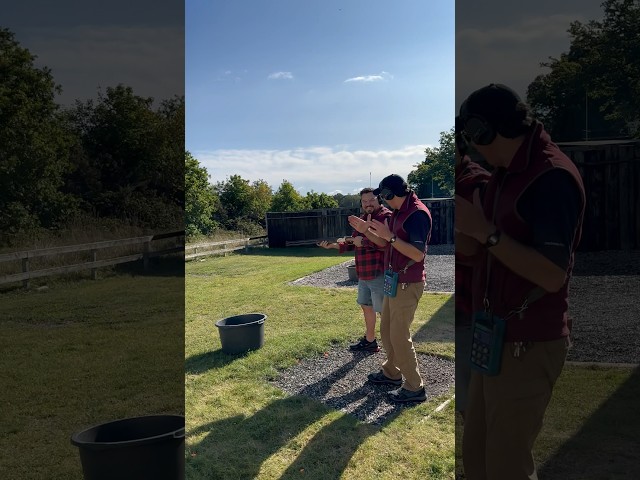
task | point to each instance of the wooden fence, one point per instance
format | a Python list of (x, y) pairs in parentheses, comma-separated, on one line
[(145, 244), (308, 227), (610, 171), (198, 250)]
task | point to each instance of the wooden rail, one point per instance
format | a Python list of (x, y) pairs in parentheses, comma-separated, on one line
[(147, 253), (223, 247)]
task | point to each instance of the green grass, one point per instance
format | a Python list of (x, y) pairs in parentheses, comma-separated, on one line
[(241, 427), (590, 428), (80, 354)]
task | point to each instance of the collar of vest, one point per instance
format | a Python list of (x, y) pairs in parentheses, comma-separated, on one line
[(522, 158), (405, 203)]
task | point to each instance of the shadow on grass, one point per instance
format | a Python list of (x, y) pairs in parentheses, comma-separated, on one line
[(236, 447), (204, 362), (440, 328), (607, 445), (166, 266)]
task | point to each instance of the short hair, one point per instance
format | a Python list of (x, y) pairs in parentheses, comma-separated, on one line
[(366, 190)]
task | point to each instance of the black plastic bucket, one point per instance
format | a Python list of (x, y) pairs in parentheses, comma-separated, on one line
[(241, 333), (353, 275), (138, 448)]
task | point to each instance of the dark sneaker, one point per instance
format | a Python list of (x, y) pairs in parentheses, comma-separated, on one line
[(365, 346), (404, 395), (380, 378)]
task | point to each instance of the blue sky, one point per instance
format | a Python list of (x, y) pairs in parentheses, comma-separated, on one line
[(324, 94), (91, 45)]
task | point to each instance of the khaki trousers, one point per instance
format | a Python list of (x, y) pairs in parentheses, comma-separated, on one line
[(504, 413), (397, 316)]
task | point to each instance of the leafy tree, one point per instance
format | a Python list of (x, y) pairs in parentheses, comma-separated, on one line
[(287, 199), (199, 198), (435, 175), (236, 198), (595, 85), (348, 201), (130, 164), (316, 200), (261, 197), (34, 143)]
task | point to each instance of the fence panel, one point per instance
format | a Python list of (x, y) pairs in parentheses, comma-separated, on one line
[(611, 175), (309, 226)]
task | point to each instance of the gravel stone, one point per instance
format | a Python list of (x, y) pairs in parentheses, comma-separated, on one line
[(603, 305), (439, 261), (339, 380)]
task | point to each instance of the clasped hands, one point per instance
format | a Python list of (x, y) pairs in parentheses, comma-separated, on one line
[(470, 219), (371, 225)]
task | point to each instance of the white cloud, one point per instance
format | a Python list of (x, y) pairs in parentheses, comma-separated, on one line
[(281, 76), (383, 76), (322, 169)]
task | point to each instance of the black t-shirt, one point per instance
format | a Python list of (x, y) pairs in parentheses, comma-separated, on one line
[(417, 225), (551, 207)]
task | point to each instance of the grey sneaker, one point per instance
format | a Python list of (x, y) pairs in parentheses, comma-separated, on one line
[(380, 378), (403, 395)]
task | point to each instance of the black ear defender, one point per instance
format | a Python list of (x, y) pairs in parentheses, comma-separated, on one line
[(386, 193), (475, 128)]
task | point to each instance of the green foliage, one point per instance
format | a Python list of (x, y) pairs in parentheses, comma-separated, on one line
[(435, 176), (242, 205), (597, 81), (287, 199), (347, 201), (129, 161), (316, 200), (200, 199), (34, 143)]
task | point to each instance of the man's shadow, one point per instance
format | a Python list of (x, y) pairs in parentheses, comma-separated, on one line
[(607, 446), (235, 448)]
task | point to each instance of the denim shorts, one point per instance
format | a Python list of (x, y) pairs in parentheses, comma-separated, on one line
[(371, 293)]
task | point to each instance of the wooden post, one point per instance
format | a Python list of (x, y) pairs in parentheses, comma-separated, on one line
[(25, 269), (94, 258), (145, 257)]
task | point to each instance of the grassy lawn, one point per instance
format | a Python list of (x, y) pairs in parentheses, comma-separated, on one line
[(84, 353), (591, 426), (239, 426)]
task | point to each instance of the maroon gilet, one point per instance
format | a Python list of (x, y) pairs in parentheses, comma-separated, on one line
[(416, 272), (546, 318), (469, 177)]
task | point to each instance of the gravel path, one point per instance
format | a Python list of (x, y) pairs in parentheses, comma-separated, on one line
[(440, 272), (338, 379), (604, 304)]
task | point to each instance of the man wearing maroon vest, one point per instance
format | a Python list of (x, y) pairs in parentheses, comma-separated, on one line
[(469, 177), (526, 228), (407, 233)]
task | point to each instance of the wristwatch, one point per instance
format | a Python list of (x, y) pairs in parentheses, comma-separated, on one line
[(493, 239), (393, 239)]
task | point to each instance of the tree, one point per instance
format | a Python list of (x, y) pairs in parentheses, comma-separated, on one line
[(199, 198), (593, 90), (130, 164), (287, 199), (35, 143), (435, 175), (315, 200), (348, 201), (261, 198)]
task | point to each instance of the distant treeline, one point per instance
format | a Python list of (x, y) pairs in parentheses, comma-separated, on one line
[(113, 157)]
